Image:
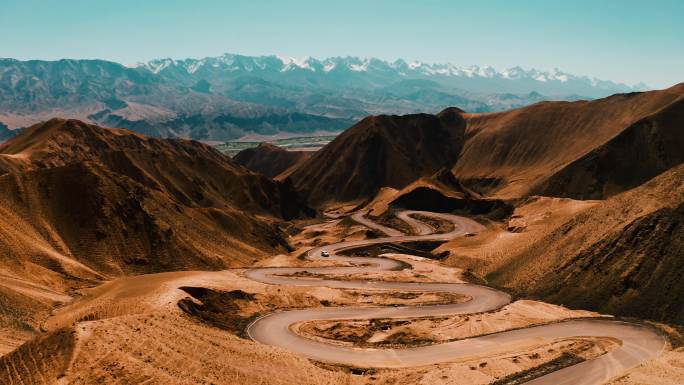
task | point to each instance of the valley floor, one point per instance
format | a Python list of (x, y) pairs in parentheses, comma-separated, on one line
[(189, 328)]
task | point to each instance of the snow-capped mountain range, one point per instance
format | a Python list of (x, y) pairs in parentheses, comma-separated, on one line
[(232, 62), (397, 70), (230, 96)]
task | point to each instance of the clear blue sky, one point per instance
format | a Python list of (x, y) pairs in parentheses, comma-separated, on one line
[(622, 40)]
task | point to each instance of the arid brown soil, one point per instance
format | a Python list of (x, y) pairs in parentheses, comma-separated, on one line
[(42, 360), (191, 173), (398, 333), (533, 220), (80, 204), (643, 150), (136, 332), (110, 243), (620, 256), (576, 149), (564, 360), (570, 149), (218, 308), (440, 226), (325, 232), (381, 151)]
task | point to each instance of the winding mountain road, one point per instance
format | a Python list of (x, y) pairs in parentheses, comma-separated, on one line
[(638, 343)]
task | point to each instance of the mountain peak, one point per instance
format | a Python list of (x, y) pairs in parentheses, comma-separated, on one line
[(229, 96), (229, 62)]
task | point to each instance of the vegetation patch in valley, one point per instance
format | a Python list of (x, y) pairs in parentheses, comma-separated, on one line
[(303, 142)]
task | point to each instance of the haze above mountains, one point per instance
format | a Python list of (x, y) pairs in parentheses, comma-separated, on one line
[(230, 96)]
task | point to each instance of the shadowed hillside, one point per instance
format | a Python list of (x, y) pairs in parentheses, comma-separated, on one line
[(623, 256), (582, 150), (191, 173), (84, 202), (270, 160), (381, 151), (80, 204), (583, 144), (643, 150)]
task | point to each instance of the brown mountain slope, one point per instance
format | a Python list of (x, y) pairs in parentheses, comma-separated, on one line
[(381, 151), (85, 221), (507, 154), (583, 149), (440, 192), (643, 150), (192, 173), (270, 160), (80, 204), (622, 256)]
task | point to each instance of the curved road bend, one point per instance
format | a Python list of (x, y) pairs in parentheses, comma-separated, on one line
[(639, 343)]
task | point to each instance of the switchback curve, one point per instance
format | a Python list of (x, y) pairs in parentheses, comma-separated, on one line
[(638, 343)]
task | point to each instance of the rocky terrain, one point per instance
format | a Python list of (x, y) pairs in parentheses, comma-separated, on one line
[(381, 151), (618, 257), (612, 149), (529, 150), (82, 204), (131, 259)]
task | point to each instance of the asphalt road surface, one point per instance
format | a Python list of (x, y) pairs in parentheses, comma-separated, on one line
[(639, 343)]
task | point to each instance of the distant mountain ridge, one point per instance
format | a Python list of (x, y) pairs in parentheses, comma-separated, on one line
[(552, 83), (229, 96)]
